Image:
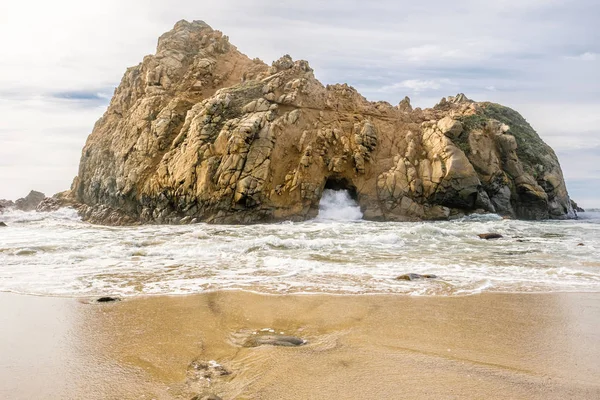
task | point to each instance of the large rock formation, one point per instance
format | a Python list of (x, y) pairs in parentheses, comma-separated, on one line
[(200, 132)]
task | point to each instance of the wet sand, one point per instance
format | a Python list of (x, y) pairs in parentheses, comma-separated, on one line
[(517, 346)]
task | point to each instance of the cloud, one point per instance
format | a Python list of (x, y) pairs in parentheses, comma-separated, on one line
[(417, 85), (587, 56), (81, 98), (429, 52), (586, 162), (41, 142), (81, 95), (585, 192)]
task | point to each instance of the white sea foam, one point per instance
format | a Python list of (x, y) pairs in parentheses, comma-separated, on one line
[(57, 254), (338, 205)]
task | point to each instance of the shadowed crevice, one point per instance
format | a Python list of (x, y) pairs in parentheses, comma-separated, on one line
[(338, 183)]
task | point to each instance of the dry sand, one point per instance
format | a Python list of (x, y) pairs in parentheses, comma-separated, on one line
[(508, 346)]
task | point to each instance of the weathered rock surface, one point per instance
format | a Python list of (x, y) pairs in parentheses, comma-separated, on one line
[(30, 202), (59, 200), (201, 132), (576, 207)]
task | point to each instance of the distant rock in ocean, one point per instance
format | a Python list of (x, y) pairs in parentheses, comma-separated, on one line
[(5, 204), (30, 202), (201, 132)]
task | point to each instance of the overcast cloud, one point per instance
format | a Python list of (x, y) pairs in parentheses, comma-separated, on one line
[(61, 61)]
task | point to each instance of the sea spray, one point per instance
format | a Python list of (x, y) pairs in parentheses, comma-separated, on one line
[(339, 206)]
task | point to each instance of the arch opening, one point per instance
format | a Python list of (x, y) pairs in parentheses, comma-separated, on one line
[(338, 184), (339, 201)]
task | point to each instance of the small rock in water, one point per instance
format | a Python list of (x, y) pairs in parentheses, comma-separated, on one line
[(107, 299), (488, 236), (207, 370), (581, 244), (2, 224), (414, 277), (274, 340), (206, 397)]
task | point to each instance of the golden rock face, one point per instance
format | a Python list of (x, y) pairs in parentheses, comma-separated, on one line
[(200, 132)]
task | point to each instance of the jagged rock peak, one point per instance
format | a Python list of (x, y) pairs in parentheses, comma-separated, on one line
[(201, 132), (30, 202), (186, 36), (195, 24), (405, 105)]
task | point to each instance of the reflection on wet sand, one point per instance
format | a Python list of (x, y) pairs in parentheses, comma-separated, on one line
[(486, 346)]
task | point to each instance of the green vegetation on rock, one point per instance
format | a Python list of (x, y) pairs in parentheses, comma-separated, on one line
[(531, 150), (473, 122)]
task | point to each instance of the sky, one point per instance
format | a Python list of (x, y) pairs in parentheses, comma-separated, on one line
[(61, 61)]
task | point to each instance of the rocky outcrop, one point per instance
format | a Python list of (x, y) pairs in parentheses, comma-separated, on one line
[(59, 200), (98, 214), (576, 207), (201, 132), (30, 202), (5, 204)]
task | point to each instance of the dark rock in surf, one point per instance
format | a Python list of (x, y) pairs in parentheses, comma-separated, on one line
[(414, 277), (2, 225), (488, 236), (107, 299)]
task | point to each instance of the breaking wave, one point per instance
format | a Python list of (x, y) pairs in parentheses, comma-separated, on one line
[(58, 254), (339, 206)]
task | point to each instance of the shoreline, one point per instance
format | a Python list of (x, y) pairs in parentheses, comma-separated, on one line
[(120, 297), (490, 345)]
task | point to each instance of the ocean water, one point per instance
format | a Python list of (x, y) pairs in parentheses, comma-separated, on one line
[(58, 254)]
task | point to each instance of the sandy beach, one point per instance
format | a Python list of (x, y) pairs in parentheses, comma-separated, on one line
[(517, 346)]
